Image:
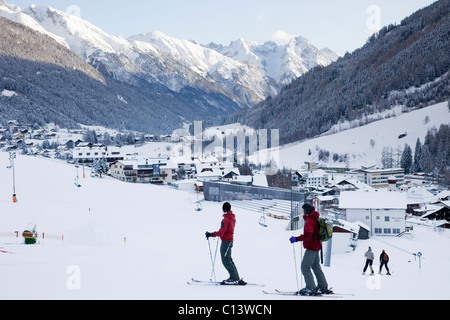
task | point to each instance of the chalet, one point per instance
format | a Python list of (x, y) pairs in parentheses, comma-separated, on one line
[(417, 198), (440, 211), (352, 184), (218, 173), (383, 211), (133, 170), (323, 203)]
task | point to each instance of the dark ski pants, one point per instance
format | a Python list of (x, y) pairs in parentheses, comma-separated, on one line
[(311, 261), (369, 262), (384, 263), (227, 260)]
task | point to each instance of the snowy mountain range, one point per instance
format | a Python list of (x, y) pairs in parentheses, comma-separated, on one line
[(244, 71)]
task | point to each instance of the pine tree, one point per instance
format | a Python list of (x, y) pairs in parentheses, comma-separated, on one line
[(418, 156), (426, 161), (406, 159)]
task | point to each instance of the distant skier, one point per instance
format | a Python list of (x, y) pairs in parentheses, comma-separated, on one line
[(384, 259), (369, 261), (311, 259), (226, 234)]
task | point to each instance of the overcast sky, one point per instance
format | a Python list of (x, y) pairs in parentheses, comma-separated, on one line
[(341, 25)]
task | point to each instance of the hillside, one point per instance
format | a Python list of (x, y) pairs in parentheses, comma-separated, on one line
[(406, 64), (363, 145), (175, 63), (49, 83)]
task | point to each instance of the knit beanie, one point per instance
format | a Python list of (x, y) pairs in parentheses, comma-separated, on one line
[(226, 207), (308, 208)]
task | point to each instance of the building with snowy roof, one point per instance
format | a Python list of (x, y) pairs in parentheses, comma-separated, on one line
[(384, 212), (417, 198), (378, 178)]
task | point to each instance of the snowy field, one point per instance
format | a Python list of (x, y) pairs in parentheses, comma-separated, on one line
[(165, 245)]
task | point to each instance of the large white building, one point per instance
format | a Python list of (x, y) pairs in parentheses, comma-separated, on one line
[(88, 153), (142, 171), (383, 211), (378, 178)]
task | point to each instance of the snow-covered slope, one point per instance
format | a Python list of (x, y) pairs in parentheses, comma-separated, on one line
[(88, 41), (356, 142), (283, 63), (243, 79), (15, 14), (165, 245)]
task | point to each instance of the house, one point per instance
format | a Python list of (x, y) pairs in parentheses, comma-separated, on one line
[(169, 172), (88, 153), (323, 203), (418, 197), (383, 211), (352, 184), (218, 173), (439, 211), (137, 171), (317, 178)]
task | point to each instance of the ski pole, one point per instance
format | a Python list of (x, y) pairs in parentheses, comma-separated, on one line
[(215, 256), (301, 259), (212, 262), (295, 263)]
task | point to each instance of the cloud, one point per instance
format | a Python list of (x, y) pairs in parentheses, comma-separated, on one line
[(281, 35)]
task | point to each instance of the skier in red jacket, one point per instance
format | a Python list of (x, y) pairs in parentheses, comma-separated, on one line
[(226, 234), (311, 259)]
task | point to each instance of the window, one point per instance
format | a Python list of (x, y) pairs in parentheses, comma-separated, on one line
[(378, 218), (395, 230), (387, 231), (386, 218), (377, 230)]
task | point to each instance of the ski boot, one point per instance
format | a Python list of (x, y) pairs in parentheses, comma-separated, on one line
[(308, 292), (321, 291)]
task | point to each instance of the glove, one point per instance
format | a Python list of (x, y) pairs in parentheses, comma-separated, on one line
[(208, 235), (293, 239)]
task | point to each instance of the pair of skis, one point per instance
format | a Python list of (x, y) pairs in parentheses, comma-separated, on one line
[(296, 294), (276, 292), (218, 283)]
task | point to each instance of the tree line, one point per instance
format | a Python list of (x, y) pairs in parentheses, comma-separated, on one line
[(431, 157)]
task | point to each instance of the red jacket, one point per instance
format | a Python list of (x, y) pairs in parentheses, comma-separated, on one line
[(226, 232), (310, 235)]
